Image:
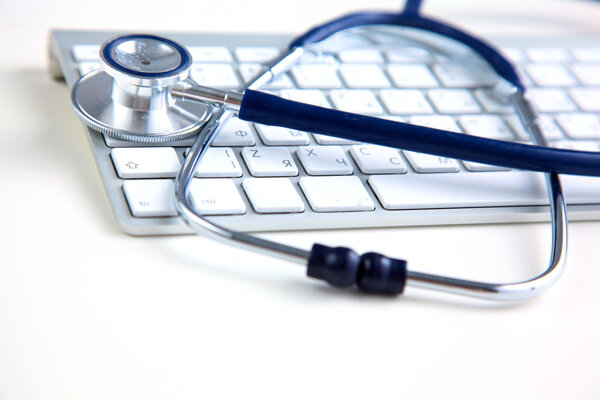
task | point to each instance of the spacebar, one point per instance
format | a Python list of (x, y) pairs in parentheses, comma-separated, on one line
[(474, 189)]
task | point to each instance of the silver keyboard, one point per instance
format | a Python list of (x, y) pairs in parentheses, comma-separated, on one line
[(261, 178)]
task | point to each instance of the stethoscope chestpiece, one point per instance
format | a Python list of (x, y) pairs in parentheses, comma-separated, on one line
[(130, 97)]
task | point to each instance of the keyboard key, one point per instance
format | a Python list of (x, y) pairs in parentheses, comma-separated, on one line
[(484, 189), (549, 129), (372, 159), (363, 55), (278, 136), (545, 74), (210, 54), (330, 160), (427, 163), (478, 167), (249, 72), (256, 54), (218, 162), (405, 101), (588, 74), (580, 126), (455, 75), (408, 54), (274, 161), (412, 76), (145, 162), (356, 101), (150, 197), (329, 140), (273, 195), (314, 97), (86, 52), (364, 76), (215, 75), (454, 101), (588, 99), (235, 132), (488, 126), (545, 54), (551, 100), (316, 76), (216, 197), (587, 53), (581, 145), (514, 55), (492, 104), (435, 121), (87, 66), (336, 193)]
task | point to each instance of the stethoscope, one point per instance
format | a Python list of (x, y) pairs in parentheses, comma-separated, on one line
[(143, 94)]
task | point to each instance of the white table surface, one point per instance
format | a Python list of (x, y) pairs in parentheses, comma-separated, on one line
[(87, 312)]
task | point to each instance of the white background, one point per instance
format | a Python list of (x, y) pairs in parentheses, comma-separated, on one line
[(87, 312)]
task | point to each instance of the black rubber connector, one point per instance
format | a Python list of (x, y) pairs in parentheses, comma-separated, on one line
[(371, 272)]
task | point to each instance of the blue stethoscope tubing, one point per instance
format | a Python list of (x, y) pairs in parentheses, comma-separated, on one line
[(268, 109), (373, 272)]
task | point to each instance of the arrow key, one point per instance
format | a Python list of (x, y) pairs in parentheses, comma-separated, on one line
[(145, 162)]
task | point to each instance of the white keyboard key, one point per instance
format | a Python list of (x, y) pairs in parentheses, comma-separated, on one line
[(488, 126), (274, 161), (588, 74), (88, 66), (278, 136), (336, 193), (551, 100), (513, 54), (250, 71), (435, 121), (587, 53), (549, 129), (412, 76), (235, 132), (405, 101), (328, 140), (580, 126), (85, 52), (364, 76), (316, 76), (372, 159), (458, 76), (427, 163), (145, 162), (484, 189), (218, 162), (314, 97), (356, 101), (150, 197), (581, 145), (544, 74), (544, 54), (256, 54), (330, 160), (273, 195), (588, 99), (491, 104), (215, 75), (408, 54), (210, 54), (478, 167), (364, 55), (216, 197), (454, 101)]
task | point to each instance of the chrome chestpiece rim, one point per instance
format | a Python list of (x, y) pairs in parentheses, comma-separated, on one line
[(130, 98)]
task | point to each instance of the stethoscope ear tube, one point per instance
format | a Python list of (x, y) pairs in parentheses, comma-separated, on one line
[(268, 109)]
